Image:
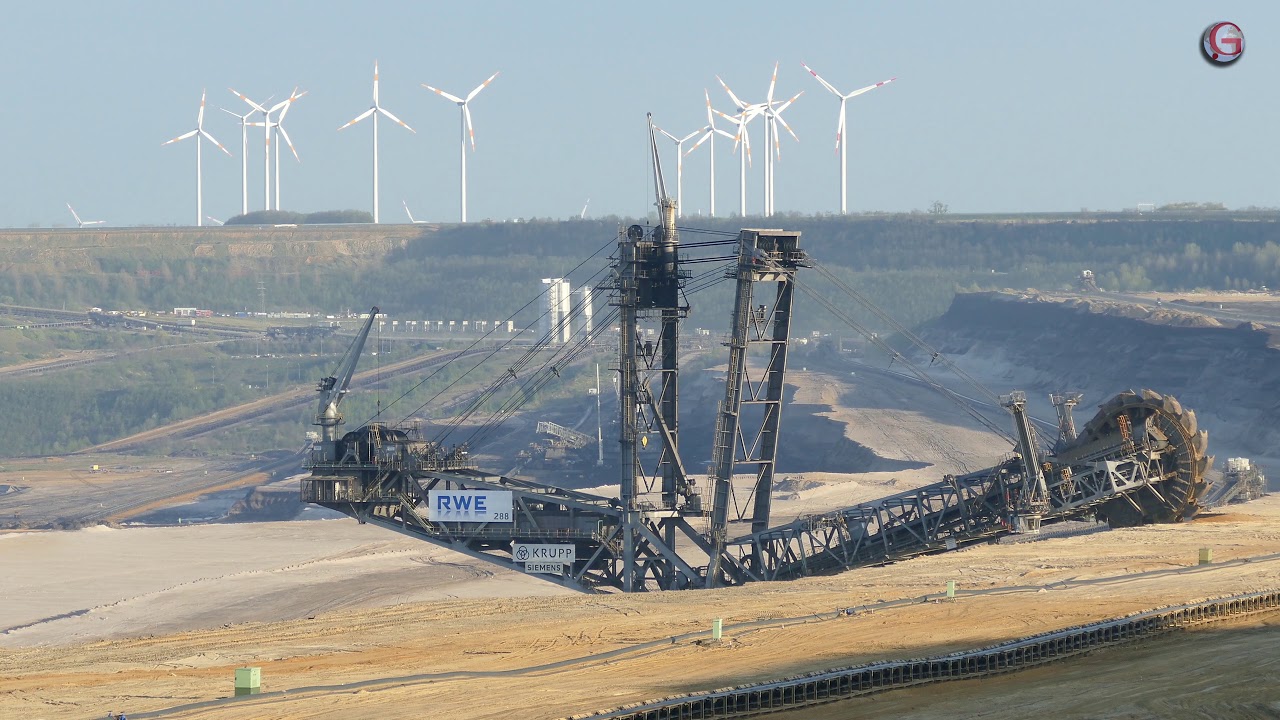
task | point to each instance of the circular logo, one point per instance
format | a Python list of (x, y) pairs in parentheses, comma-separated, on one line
[(1222, 43), (522, 553)]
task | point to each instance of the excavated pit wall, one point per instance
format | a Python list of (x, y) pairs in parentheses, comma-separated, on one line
[(1228, 373)]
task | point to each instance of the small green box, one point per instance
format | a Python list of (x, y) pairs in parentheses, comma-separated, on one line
[(248, 681), (1206, 556)]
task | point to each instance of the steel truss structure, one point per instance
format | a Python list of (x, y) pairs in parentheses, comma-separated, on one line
[(1141, 459)]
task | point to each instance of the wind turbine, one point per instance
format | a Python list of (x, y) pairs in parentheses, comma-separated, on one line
[(583, 215), (746, 113), (283, 106), (266, 155), (841, 142), (711, 133), (406, 212), (374, 111), (198, 133), (466, 129), (81, 223), (244, 158), (772, 117), (679, 163), (214, 220)]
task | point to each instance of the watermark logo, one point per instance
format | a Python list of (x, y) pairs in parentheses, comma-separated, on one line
[(1222, 43)]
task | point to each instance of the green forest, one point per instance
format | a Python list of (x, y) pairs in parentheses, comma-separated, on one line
[(910, 264)]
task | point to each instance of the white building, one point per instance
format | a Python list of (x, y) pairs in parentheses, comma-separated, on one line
[(555, 323)]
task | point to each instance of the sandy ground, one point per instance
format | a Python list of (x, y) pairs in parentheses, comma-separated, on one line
[(105, 583), (443, 654)]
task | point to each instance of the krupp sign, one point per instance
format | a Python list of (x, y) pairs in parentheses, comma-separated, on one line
[(475, 506), (531, 553)]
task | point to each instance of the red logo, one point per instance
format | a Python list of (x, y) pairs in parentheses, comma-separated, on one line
[(1222, 43)]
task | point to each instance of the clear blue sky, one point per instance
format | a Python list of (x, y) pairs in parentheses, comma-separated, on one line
[(1000, 106)]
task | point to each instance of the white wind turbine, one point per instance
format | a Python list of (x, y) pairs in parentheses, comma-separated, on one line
[(283, 106), (266, 155), (680, 163), (374, 111), (711, 132), (81, 223), (244, 158), (746, 113), (841, 142), (199, 133), (464, 103), (772, 118)]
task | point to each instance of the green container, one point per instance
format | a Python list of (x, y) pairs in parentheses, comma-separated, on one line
[(248, 681), (1206, 556), (717, 627)]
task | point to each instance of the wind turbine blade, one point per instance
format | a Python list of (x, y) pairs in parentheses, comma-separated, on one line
[(285, 103), (466, 114), (183, 136), (709, 132), (482, 86), (772, 82), (289, 103), (840, 126), (73, 214), (444, 94), (234, 114), (406, 210), (788, 127), (252, 104), (724, 133), (664, 132), (397, 120), (727, 116), (689, 137), (375, 83), (360, 117), (825, 84), (737, 103), (211, 139), (710, 120), (288, 142), (869, 88), (200, 115), (788, 103)]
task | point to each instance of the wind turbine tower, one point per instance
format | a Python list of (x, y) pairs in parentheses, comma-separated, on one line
[(841, 141), (467, 131), (375, 110), (199, 133)]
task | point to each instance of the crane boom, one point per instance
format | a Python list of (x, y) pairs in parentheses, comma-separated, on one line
[(332, 389)]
